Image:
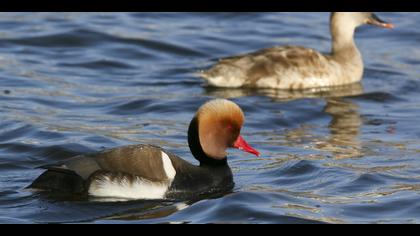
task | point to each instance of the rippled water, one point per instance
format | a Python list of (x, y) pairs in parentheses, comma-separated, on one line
[(75, 83)]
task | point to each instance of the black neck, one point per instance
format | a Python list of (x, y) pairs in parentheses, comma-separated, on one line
[(197, 150)]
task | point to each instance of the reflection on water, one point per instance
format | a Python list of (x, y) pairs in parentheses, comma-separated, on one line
[(286, 95), (344, 127), (152, 211)]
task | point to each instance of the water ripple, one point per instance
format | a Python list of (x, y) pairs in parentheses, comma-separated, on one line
[(74, 83)]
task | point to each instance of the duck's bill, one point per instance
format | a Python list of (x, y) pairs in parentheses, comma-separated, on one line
[(376, 21), (241, 144)]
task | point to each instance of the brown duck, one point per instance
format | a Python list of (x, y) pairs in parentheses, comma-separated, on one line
[(295, 67)]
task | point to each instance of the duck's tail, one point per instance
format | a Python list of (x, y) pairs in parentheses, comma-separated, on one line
[(203, 74), (58, 179)]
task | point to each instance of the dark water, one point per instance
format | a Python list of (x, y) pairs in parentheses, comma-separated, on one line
[(74, 83)]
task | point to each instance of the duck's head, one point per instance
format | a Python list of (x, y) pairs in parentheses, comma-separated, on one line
[(356, 19), (215, 128)]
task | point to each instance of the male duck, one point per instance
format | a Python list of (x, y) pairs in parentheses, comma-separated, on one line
[(150, 172)]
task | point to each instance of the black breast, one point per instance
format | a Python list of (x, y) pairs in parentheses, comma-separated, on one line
[(194, 181)]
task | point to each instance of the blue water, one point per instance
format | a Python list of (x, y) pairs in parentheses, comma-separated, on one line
[(74, 83)]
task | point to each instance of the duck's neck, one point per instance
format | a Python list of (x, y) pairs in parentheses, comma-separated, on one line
[(344, 52), (342, 34), (197, 150)]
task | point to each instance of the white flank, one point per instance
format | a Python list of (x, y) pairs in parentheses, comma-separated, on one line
[(181, 206), (140, 188)]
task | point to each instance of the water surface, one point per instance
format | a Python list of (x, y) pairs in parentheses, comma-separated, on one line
[(74, 83)]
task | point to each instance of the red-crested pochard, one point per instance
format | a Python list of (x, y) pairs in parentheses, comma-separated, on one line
[(150, 172), (295, 67)]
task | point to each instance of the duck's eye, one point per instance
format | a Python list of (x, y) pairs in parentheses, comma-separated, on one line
[(229, 127)]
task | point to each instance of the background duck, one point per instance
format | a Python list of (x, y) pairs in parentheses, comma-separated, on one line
[(295, 67)]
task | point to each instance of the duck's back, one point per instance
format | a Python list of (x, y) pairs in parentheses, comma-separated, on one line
[(129, 172)]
